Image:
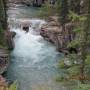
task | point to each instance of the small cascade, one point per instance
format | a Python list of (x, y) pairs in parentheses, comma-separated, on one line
[(33, 60)]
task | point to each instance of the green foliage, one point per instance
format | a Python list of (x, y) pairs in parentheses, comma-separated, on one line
[(48, 10), (2, 22), (82, 87), (75, 17), (61, 78), (74, 59), (70, 70), (81, 32), (87, 67), (1, 30), (87, 71), (63, 11), (88, 60), (71, 58), (58, 6), (74, 5), (45, 10), (61, 64), (13, 86), (2, 39), (74, 70), (74, 44), (77, 30), (2, 42)]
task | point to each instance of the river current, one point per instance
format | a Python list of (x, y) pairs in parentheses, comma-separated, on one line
[(33, 60)]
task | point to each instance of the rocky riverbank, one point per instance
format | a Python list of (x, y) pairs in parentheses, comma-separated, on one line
[(53, 32), (4, 57), (4, 62), (9, 35)]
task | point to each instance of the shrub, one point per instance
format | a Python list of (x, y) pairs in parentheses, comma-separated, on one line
[(13, 86), (61, 64), (74, 70), (45, 10), (82, 87)]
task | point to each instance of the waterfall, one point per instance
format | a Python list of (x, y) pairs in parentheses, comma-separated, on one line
[(33, 60), (28, 43)]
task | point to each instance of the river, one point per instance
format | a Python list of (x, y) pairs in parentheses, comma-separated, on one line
[(33, 60)]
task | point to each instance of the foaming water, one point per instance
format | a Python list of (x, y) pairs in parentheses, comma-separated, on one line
[(27, 44), (33, 60), (31, 46)]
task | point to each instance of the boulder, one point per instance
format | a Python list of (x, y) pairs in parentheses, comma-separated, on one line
[(52, 34), (25, 26), (9, 39), (4, 60), (13, 34)]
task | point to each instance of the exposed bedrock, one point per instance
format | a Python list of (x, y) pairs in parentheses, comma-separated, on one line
[(53, 33), (9, 35)]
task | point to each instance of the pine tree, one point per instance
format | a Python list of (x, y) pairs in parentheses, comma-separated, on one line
[(84, 40), (3, 15), (63, 11), (74, 5), (63, 17), (3, 21)]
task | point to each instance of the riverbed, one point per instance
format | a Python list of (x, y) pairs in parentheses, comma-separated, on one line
[(33, 61)]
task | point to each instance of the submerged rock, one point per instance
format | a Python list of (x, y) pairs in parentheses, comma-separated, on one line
[(13, 34), (25, 26)]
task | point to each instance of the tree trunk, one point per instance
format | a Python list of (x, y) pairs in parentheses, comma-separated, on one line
[(3, 15)]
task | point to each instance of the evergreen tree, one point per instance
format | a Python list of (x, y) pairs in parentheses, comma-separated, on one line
[(3, 21), (84, 40), (74, 6), (63, 11), (63, 16), (3, 15)]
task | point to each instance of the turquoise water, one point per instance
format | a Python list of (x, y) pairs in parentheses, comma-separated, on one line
[(21, 11), (33, 60)]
